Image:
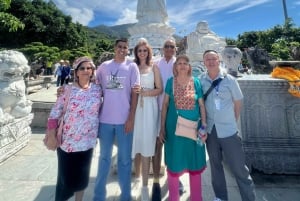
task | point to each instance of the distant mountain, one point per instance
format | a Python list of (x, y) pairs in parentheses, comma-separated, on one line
[(119, 31)]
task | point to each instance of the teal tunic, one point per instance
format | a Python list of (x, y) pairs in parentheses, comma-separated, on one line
[(182, 154)]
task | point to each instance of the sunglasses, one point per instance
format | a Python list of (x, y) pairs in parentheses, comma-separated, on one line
[(143, 50), (169, 46), (84, 68)]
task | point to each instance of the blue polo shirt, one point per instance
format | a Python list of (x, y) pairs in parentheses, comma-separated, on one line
[(219, 104)]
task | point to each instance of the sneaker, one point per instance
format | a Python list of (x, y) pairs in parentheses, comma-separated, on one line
[(135, 186), (156, 192), (181, 188), (217, 199), (145, 194)]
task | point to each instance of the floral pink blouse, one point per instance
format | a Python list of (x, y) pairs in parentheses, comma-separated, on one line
[(81, 119)]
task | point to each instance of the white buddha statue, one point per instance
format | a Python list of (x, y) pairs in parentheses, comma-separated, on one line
[(151, 11)]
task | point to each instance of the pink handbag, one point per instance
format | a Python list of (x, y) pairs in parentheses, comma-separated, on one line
[(59, 130), (186, 128)]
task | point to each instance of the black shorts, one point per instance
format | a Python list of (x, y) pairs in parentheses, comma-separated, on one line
[(73, 173)]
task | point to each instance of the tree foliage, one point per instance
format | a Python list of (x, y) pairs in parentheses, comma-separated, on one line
[(44, 23), (8, 21), (37, 51), (48, 31), (280, 41)]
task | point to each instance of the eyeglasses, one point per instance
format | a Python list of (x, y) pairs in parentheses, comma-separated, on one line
[(145, 50), (82, 68), (169, 46)]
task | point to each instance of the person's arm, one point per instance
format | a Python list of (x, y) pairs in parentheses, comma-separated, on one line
[(135, 83), (237, 108), (203, 119), (52, 123), (59, 91), (129, 124), (202, 112), (165, 105), (158, 84)]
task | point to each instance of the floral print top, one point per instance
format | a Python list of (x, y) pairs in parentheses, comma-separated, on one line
[(184, 96), (81, 119)]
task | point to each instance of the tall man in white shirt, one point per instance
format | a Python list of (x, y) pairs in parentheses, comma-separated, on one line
[(165, 65)]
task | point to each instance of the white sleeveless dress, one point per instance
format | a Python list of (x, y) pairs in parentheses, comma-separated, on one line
[(146, 120)]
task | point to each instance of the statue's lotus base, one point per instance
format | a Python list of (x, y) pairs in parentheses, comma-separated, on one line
[(14, 136), (155, 33)]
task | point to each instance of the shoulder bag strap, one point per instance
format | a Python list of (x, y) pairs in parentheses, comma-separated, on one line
[(212, 86)]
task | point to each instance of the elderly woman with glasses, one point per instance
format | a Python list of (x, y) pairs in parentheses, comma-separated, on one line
[(80, 128), (183, 98)]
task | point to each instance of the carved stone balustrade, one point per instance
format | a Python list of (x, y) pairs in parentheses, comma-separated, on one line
[(270, 125), (14, 136)]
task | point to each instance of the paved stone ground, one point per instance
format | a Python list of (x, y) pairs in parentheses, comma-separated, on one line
[(30, 175)]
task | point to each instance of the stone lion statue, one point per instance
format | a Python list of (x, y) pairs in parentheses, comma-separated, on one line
[(13, 101)]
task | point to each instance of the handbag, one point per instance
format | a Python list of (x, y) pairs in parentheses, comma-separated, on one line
[(57, 140), (185, 127)]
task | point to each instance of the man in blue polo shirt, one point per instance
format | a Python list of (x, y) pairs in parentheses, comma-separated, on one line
[(223, 105)]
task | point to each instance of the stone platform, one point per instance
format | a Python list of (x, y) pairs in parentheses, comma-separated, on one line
[(30, 175), (42, 102)]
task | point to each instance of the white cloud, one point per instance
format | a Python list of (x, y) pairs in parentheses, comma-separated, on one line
[(127, 16), (83, 11), (83, 16), (249, 4), (181, 13)]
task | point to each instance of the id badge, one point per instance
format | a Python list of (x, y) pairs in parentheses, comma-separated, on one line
[(218, 103)]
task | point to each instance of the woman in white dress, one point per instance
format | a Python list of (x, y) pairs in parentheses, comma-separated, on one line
[(146, 116)]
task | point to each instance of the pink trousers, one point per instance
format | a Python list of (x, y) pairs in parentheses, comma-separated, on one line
[(195, 186)]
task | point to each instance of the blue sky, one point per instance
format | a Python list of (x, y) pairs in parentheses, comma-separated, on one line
[(227, 18)]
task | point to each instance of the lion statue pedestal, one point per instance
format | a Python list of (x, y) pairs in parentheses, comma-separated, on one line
[(15, 109)]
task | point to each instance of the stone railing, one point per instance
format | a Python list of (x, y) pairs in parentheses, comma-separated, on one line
[(270, 125), (14, 136)]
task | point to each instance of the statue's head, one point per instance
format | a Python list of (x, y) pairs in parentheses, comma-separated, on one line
[(13, 65), (202, 27)]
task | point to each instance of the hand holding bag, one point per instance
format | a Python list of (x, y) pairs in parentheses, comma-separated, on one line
[(53, 137)]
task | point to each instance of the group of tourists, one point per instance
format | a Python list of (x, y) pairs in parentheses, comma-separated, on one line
[(62, 72), (137, 105)]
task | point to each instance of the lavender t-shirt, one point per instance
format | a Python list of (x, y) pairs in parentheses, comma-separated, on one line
[(116, 80)]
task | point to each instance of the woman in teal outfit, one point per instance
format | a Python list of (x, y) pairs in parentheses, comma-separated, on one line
[(183, 96)]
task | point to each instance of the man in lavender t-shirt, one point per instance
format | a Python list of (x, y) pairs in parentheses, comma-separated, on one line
[(118, 78)]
